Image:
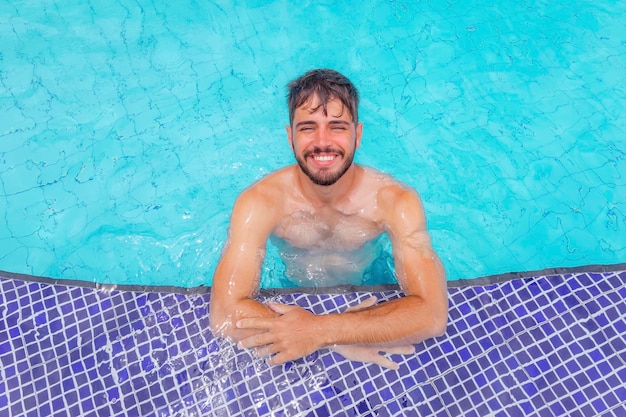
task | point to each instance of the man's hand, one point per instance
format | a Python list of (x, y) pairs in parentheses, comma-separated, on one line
[(370, 354), (296, 333), (292, 335)]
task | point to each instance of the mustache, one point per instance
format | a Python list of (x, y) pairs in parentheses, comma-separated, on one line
[(317, 150)]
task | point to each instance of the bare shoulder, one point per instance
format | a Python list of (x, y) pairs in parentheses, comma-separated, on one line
[(399, 205), (260, 205), (266, 192), (389, 191)]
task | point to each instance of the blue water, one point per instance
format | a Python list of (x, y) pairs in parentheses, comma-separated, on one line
[(129, 127)]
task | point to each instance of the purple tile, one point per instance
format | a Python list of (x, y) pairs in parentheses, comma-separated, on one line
[(599, 406), (57, 404), (455, 352)]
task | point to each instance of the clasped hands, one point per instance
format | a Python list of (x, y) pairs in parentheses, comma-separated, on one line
[(296, 332)]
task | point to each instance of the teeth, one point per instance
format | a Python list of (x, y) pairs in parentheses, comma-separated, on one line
[(323, 157)]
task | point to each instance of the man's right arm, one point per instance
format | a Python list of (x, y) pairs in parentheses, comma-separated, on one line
[(237, 275)]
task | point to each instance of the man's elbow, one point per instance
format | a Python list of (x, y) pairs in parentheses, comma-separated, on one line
[(439, 319), (436, 326), (221, 324), (439, 325)]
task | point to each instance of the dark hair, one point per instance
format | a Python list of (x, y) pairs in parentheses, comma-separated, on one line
[(327, 84)]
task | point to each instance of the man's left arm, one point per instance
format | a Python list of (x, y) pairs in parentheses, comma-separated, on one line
[(419, 315)]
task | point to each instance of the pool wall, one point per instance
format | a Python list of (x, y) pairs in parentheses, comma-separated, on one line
[(542, 346)]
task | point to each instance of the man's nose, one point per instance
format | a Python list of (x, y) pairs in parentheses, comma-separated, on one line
[(322, 138)]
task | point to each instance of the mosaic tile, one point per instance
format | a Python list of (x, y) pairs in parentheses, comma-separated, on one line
[(541, 346)]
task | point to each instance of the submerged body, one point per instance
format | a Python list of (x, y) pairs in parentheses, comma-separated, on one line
[(321, 267)]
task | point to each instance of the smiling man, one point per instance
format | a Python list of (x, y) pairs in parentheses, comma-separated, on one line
[(326, 215)]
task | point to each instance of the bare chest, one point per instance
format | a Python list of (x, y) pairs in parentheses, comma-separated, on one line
[(327, 229)]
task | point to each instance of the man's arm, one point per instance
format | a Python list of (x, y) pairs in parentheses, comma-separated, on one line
[(421, 314), (237, 275), (236, 279)]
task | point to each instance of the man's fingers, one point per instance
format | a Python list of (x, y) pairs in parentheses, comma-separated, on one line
[(257, 340), (254, 323), (279, 359), (281, 308), (385, 362), (370, 301), (400, 350), (264, 351), (394, 350)]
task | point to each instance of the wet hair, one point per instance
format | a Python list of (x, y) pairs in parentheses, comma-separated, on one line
[(327, 84)]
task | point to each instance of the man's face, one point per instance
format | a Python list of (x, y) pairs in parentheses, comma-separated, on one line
[(324, 144)]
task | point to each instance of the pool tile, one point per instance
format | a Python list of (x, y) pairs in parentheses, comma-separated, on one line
[(557, 354)]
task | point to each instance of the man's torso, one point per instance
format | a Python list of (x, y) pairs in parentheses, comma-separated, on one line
[(332, 245)]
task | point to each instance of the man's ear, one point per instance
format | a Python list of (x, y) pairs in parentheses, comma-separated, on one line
[(359, 133), (289, 135)]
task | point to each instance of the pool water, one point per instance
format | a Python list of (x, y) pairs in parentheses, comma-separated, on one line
[(129, 128)]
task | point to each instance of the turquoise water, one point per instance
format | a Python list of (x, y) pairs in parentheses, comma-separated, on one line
[(129, 127)]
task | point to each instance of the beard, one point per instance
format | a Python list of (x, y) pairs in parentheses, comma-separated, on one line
[(325, 176)]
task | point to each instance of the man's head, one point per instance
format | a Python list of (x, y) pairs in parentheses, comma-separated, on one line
[(324, 131), (326, 84)]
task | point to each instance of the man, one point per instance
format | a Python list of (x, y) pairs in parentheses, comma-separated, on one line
[(326, 209)]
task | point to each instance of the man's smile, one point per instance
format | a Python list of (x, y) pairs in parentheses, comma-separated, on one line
[(323, 160), (323, 157)]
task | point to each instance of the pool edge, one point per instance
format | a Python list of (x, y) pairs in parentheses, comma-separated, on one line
[(204, 289)]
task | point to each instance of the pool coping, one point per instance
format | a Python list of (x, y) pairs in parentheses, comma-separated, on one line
[(341, 289)]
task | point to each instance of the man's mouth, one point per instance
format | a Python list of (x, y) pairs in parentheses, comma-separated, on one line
[(323, 161), (323, 158)]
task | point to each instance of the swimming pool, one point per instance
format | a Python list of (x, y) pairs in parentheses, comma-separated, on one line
[(129, 128)]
